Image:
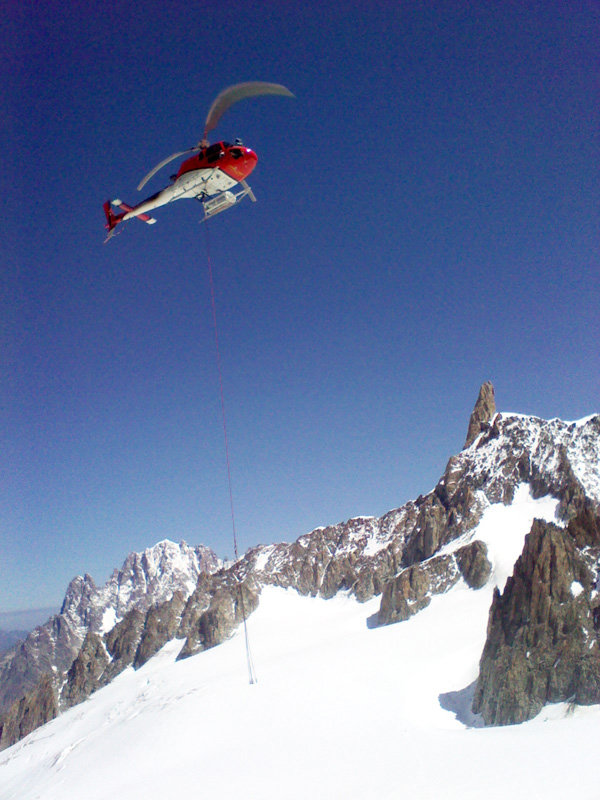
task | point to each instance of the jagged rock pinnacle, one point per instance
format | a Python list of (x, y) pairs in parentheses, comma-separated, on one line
[(484, 410)]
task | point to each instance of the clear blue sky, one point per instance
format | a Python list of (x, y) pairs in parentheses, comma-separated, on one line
[(427, 219)]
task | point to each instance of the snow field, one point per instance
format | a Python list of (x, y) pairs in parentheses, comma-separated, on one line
[(503, 529)]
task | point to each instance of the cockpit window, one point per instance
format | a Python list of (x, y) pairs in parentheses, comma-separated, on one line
[(214, 152)]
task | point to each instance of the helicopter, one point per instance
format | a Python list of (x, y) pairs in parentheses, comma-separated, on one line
[(211, 175)]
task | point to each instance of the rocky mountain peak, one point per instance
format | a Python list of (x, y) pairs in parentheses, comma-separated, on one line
[(78, 596), (150, 577), (543, 631), (483, 412)]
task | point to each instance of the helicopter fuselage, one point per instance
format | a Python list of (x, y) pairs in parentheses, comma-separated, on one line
[(213, 170)]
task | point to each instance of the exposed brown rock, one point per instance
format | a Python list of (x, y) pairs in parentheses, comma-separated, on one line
[(48, 647), (226, 611), (337, 557), (306, 561), (484, 410), (473, 563), (571, 493), (161, 625), (411, 591), (197, 604), (384, 566), (585, 528), (39, 706), (429, 530), (122, 643), (339, 574), (85, 671), (542, 644)]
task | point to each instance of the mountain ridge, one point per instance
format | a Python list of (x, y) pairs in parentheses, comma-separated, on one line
[(163, 569), (398, 556)]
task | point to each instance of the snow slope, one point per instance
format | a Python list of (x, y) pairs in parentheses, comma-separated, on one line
[(340, 711)]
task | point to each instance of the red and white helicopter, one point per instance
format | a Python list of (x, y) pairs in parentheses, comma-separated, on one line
[(211, 174)]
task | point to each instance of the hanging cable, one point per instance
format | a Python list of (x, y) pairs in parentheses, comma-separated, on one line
[(251, 672)]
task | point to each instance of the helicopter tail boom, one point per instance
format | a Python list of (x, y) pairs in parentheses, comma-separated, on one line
[(126, 209), (112, 219)]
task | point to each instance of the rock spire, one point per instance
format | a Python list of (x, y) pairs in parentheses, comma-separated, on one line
[(483, 412)]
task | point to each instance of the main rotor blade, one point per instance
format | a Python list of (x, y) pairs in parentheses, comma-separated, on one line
[(237, 92), (163, 163)]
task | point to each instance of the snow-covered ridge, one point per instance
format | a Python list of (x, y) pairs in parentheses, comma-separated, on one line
[(517, 456), (147, 578), (579, 423), (516, 461), (548, 445), (515, 449), (309, 564)]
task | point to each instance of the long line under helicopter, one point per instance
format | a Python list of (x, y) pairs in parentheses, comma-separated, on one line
[(211, 176)]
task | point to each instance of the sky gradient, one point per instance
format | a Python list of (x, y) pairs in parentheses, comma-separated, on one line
[(427, 219)]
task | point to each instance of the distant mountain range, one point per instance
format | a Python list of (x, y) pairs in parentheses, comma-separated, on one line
[(543, 640), (10, 638), (16, 625), (26, 619)]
